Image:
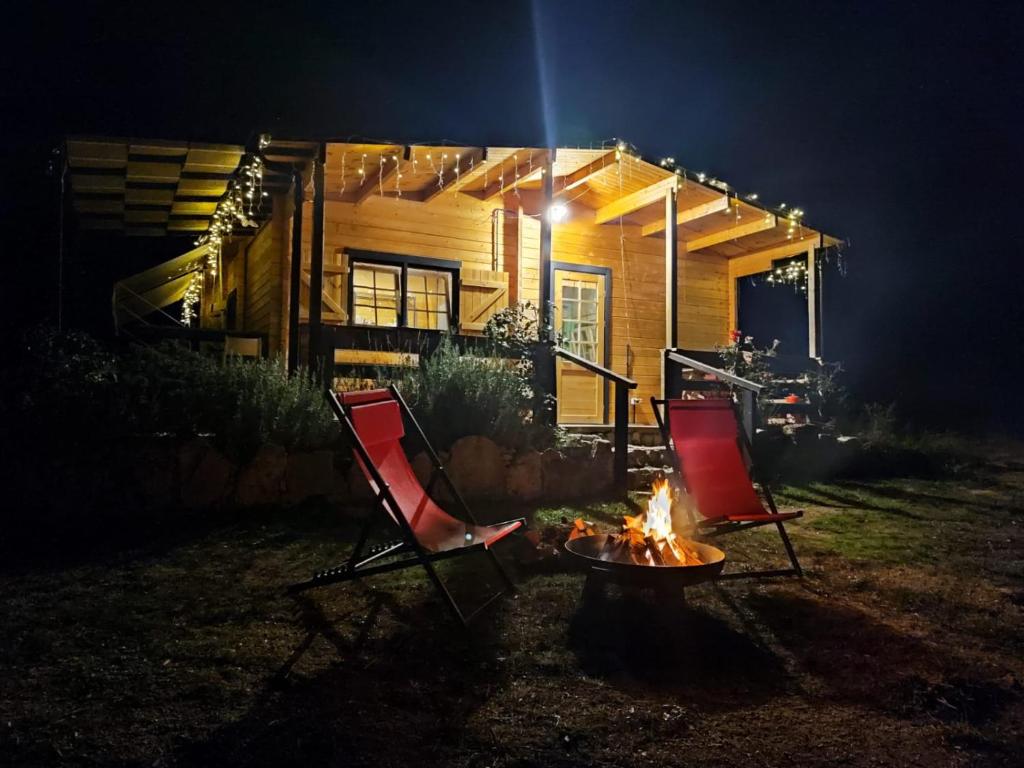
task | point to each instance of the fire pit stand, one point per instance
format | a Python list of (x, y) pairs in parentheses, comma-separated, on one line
[(592, 553)]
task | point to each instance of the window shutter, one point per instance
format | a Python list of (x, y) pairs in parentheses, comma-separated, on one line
[(481, 294)]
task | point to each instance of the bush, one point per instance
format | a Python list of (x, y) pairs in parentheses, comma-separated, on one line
[(454, 395), (67, 388), (242, 404)]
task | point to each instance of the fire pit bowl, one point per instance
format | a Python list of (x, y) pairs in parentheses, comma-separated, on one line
[(588, 551)]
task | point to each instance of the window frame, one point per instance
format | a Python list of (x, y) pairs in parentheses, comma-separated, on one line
[(404, 263)]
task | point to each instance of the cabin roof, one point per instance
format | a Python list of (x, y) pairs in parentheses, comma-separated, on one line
[(156, 187)]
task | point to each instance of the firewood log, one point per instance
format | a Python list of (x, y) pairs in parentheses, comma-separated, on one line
[(652, 547)]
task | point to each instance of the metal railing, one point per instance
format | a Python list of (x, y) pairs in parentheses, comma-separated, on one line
[(620, 473), (747, 390)]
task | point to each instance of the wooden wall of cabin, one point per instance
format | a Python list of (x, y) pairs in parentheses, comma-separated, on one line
[(265, 259), (704, 300), (483, 235)]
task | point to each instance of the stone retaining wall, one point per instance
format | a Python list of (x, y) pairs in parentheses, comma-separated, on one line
[(165, 473)]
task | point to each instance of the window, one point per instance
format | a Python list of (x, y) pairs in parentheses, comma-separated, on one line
[(375, 291), (579, 319), (427, 303), (381, 297)]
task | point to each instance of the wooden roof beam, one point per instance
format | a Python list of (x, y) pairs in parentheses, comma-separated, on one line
[(452, 181), (635, 200), (515, 169), (375, 183), (570, 181), (760, 224), (761, 261), (684, 215)]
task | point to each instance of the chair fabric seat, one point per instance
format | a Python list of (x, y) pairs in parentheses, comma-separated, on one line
[(704, 435), (379, 426)]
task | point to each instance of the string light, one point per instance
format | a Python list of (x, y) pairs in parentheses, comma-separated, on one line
[(235, 206), (190, 298), (793, 272)]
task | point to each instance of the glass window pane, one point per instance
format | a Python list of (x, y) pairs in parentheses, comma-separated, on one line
[(427, 299), (362, 276), (365, 316), (374, 294), (588, 294)]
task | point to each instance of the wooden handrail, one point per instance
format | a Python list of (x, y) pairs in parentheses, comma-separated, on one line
[(725, 376), (595, 368)]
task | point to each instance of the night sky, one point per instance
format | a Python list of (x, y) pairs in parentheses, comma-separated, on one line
[(896, 125)]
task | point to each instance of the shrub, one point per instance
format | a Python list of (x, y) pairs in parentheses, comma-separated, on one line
[(67, 388), (242, 404), (455, 394)]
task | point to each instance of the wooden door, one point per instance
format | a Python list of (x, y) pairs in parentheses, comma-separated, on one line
[(581, 320)]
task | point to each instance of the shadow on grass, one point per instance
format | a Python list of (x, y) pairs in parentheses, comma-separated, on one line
[(399, 684), (853, 497), (665, 645), (917, 497), (862, 661)]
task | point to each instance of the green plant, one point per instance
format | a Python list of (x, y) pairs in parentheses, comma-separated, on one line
[(242, 404), (515, 330), (879, 424), (514, 333), (455, 394), (742, 357), (826, 392)]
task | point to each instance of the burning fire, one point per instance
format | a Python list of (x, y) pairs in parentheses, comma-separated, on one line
[(647, 539), (650, 537)]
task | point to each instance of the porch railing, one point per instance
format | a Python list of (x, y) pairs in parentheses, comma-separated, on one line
[(409, 342), (746, 390), (620, 472)]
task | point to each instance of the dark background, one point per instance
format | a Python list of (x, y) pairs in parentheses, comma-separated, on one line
[(895, 125)]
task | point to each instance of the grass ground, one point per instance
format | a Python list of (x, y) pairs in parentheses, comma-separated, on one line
[(904, 645)]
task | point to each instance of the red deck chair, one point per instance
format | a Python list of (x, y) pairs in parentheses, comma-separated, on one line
[(372, 421), (712, 460)]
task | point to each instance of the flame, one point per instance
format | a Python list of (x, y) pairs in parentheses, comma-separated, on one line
[(650, 537), (646, 539), (658, 520)]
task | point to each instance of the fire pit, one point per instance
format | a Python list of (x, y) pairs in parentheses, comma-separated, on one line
[(648, 553)]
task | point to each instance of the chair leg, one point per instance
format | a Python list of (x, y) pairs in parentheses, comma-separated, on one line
[(509, 584), (445, 594), (789, 549)]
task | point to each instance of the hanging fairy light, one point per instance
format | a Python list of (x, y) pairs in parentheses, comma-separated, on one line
[(189, 300), (792, 272), (236, 206)]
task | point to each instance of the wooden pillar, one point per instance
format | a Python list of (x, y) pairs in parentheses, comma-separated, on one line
[(295, 276), (316, 265), (812, 303), (671, 271), (544, 265)]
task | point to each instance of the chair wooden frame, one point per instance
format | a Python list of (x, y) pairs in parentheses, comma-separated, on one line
[(365, 561), (711, 527)]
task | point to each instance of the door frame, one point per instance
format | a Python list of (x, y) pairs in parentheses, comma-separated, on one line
[(606, 353)]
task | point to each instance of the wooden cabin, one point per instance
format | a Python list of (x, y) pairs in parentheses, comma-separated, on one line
[(624, 258)]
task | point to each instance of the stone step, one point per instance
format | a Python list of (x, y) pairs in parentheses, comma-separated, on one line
[(642, 478), (639, 434), (648, 456)]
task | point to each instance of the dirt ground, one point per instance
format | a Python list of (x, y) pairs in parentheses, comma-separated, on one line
[(904, 645)]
